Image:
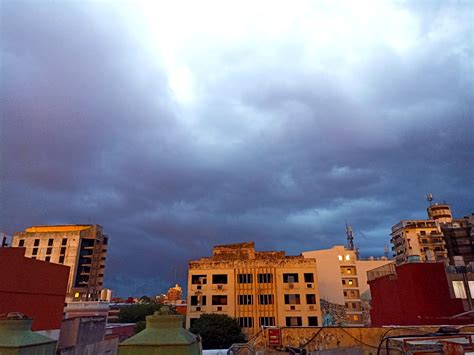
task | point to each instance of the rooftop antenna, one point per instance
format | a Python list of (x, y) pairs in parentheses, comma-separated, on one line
[(429, 198), (385, 251), (349, 237)]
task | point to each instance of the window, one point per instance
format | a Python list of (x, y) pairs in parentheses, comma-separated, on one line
[(49, 250), (292, 299), (308, 277), (50, 242), (293, 322), (459, 290), (48, 259), (246, 322), (61, 259), (267, 321), (198, 279), (21, 243), (265, 299), (198, 300), (265, 278), (312, 321), (63, 250), (350, 282), (64, 242), (290, 278), (244, 278), (219, 300), (310, 299), (423, 232), (245, 299), (35, 251), (37, 242), (340, 257), (219, 279), (348, 257)]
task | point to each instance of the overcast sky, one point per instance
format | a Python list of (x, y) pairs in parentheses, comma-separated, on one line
[(181, 125)]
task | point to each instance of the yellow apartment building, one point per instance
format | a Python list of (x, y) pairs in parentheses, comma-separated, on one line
[(342, 280), (81, 247), (256, 288), (418, 240)]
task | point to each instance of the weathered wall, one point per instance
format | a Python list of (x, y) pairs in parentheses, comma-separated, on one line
[(323, 339)]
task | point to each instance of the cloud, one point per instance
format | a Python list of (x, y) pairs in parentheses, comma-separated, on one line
[(178, 130)]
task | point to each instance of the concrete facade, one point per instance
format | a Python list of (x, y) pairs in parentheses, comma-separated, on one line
[(438, 238), (86, 335), (256, 288), (342, 280), (81, 247), (418, 240)]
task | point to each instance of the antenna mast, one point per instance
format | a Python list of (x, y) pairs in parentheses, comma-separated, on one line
[(429, 198), (349, 237)]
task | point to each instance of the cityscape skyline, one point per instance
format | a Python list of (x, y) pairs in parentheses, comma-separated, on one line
[(277, 129)]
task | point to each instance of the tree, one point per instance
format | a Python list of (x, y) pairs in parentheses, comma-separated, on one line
[(137, 314), (217, 331)]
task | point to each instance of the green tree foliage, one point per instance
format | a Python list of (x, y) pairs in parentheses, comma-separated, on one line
[(137, 314), (217, 331)]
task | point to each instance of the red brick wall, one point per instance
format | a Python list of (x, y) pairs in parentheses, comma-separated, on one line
[(418, 295), (32, 287)]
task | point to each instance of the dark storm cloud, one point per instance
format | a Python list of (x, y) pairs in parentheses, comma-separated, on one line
[(277, 146)]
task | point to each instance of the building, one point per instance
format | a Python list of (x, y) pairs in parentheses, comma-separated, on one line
[(257, 288), (87, 335), (32, 287), (458, 233), (417, 293), (418, 240), (438, 238), (342, 280), (174, 293), (82, 247)]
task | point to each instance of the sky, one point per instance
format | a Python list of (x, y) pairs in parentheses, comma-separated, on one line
[(180, 125)]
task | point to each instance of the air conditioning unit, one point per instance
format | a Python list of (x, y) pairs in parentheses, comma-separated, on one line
[(291, 286), (311, 308), (220, 287), (292, 308), (309, 285)]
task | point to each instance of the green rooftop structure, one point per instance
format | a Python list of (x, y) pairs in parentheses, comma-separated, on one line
[(163, 335), (17, 338)]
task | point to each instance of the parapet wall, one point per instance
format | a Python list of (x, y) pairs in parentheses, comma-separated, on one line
[(332, 338)]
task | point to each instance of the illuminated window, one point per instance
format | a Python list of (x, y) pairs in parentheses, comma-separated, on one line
[(348, 257), (459, 290), (350, 282), (76, 295), (339, 257)]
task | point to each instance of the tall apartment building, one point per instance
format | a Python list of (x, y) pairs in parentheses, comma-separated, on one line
[(342, 280), (458, 233), (418, 240), (81, 247), (439, 238), (257, 288)]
